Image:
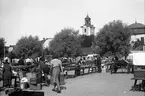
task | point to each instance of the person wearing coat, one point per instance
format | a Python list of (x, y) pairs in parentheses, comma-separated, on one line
[(7, 74), (45, 69), (78, 68)]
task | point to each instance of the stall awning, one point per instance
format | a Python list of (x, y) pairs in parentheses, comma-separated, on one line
[(139, 58)]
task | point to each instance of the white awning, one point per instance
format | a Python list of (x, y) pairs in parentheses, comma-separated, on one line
[(139, 58)]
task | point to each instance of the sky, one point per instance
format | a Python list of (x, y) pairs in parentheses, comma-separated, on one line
[(45, 18)]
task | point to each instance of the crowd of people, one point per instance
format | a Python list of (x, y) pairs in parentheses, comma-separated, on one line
[(54, 70), (52, 66)]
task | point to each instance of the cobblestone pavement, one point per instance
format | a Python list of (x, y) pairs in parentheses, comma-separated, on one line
[(97, 84)]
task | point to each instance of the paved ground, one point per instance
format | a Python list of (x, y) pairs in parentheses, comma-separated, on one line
[(97, 84)]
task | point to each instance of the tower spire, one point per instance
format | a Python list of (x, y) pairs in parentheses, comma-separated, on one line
[(87, 13), (135, 20)]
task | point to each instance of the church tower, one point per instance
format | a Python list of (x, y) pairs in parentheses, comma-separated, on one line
[(87, 28)]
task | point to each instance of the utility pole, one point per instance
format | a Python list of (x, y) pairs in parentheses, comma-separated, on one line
[(93, 44), (4, 49)]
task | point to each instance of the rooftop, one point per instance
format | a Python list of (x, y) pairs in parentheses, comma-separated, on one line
[(137, 28), (136, 25)]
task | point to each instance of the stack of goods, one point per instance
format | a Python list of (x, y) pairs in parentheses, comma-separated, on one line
[(24, 83), (61, 79), (10, 91), (35, 81)]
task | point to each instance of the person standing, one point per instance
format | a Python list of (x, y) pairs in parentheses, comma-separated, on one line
[(95, 61), (56, 70), (115, 64), (21, 61), (7, 74), (99, 63), (45, 69), (78, 68)]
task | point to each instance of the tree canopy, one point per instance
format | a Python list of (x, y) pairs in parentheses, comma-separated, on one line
[(2, 41), (138, 45), (114, 39), (28, 46), (66, 43), (86, 41)]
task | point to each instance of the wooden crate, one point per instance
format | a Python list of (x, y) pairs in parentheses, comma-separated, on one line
[(139, 74), (35, 87)]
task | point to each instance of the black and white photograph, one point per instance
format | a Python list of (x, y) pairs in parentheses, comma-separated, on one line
[(72, 47)]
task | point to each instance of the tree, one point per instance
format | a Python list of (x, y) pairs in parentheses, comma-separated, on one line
[(86, 41), (66, 43), (2, 43), (28, 46), (138, 45), (114, 39)]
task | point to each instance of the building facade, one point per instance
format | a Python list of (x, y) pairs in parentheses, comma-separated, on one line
[(88, 29), (46, 42), (137, 32)]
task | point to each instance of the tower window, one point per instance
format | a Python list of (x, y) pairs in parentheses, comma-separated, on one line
[(85, 30)]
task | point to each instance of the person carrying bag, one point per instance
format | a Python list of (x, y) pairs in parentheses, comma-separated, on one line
[(56, 72)]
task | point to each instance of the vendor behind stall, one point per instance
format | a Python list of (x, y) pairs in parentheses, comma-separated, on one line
[(45, 69)]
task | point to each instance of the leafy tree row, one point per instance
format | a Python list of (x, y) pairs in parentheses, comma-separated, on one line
[(86, 41), (66, 43), (28, 46), (112, 39)]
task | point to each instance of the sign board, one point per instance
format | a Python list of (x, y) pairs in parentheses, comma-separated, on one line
[(139, 58)]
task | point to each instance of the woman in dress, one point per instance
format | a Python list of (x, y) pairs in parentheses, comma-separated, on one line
[(56, 69), (7, 74)]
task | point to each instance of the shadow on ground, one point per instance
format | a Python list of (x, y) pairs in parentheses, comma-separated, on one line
[(62, 87), (139, 88), (121, 73)]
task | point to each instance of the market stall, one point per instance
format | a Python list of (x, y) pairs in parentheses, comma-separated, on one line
[(139, 70)]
